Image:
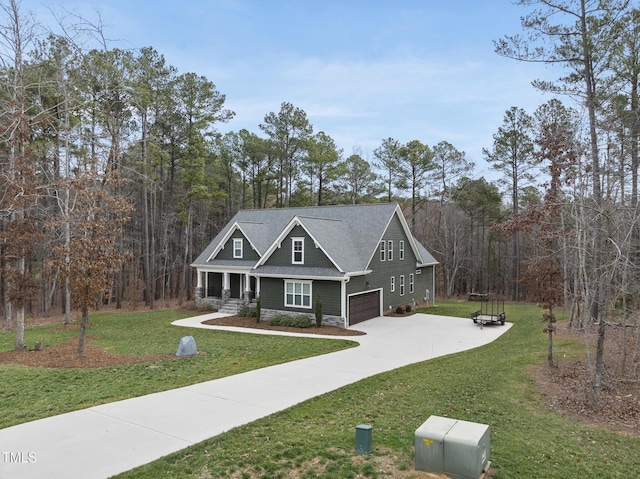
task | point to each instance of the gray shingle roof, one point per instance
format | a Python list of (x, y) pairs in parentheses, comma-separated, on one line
[(427, 259), (349, 234), (298, 271)]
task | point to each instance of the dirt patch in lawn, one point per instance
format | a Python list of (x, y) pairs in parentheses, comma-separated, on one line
[(568, 386), (241, 322), (65, 355)]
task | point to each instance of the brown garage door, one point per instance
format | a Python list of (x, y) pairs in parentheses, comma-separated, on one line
[(364, 306)]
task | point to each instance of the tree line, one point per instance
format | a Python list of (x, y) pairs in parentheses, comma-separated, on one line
[(114, 175)]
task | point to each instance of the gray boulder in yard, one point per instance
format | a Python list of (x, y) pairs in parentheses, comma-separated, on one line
[(187, 346)]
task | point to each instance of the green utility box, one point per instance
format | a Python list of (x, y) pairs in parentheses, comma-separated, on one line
[(459, 449), (363, 439)]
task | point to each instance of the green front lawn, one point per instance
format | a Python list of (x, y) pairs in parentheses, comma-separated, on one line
[(29, 393), (490, 385)]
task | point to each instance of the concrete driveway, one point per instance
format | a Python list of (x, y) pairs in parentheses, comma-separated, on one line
[(105, 440)]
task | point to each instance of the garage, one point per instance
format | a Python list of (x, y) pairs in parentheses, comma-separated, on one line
[(364, 306)]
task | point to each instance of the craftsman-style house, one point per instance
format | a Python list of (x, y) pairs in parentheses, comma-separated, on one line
[(358, 260)]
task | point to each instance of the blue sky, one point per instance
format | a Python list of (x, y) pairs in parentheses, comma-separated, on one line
[(363, 70)]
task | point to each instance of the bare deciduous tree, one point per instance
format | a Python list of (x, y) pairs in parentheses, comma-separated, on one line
[(92, 256), (18, 174)]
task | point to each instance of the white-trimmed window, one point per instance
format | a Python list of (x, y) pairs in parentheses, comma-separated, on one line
[(382, 250), (390, 250), (401, 250), (411, 283), (392, 288), (402, 285), (237, 247), (297, 294), (297, 250)]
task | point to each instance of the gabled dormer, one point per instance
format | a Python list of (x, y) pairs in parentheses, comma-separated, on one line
[(297, 247), (235, 246)]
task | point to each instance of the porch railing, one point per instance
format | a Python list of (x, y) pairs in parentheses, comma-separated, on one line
[(211, 292)]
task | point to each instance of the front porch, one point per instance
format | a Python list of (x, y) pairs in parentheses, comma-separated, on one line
[(215, 288)]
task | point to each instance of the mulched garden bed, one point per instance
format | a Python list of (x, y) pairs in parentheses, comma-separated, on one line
[(241, 322)]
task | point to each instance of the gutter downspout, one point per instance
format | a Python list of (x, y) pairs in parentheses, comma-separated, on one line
[(343, 306)]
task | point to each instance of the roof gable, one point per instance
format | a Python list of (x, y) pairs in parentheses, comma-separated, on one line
[(348, 235), (235, 227), (287, 233), (423, 257)]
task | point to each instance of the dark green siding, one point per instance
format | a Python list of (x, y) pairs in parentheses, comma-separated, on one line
[(272, 296), (271, 293), (359, 283), (313, 257), (382, 271), (424, 281), (329, 293), (248, 253)]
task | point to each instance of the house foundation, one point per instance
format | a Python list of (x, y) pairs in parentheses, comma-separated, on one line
[(267, 314)]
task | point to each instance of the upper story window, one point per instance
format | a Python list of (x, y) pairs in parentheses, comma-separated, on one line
[(237, 247), (401, 246), (390, 250), (297, 250), (383, 255)]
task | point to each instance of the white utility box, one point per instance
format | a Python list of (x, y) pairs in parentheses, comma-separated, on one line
[(459, 449)]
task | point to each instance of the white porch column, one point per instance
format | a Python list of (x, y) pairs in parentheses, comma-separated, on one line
[(200, 275), (247, 288), (226, 286), (257, 286)]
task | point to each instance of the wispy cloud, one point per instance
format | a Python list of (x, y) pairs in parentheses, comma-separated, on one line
[(361, 70), (361, 102)]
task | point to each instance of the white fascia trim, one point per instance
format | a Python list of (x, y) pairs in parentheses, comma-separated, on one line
[(235, 226), (317, 244), (285, 232), (359, 273), (224, 269), (376, 250), (223, 240), (278, 241), (407, 232), (365, 291), (424, 265), (301, 277), (405, 226)]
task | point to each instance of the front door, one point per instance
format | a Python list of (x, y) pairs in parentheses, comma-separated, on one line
[(235, 281)]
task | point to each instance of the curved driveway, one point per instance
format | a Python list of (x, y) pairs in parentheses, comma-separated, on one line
[(104, 440)]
